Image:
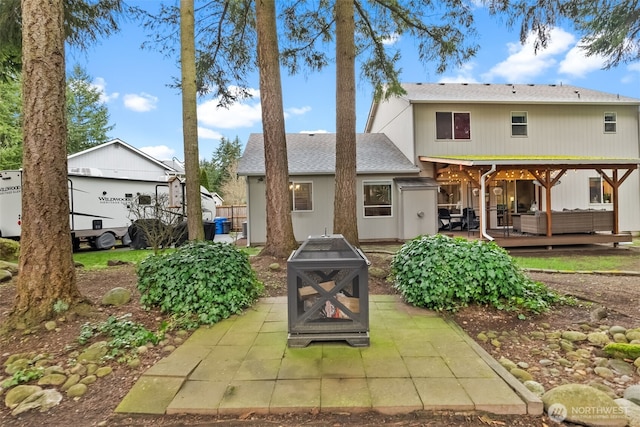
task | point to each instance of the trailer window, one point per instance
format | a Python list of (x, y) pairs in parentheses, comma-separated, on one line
[(144, 199)]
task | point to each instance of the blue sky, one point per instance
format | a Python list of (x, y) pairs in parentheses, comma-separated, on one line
[(147, 113)]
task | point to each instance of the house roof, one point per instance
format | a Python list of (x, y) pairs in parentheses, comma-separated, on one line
[(315, 154), (120, 142), (510, 93)]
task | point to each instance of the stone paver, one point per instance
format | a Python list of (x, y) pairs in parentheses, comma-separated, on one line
[(416, 361)]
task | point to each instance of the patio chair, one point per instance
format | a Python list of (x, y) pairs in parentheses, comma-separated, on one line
[(451, 223), (470, 221)]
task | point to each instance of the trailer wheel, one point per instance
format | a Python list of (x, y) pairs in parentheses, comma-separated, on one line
[(126, 239), (105, 241)]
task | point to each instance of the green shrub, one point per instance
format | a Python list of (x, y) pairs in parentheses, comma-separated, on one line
[(208, 280), (443, 273)]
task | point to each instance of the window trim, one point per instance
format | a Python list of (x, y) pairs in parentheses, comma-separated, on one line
[(524, 124), (366, 183), (602, 194), (292, 199), (613, 122), (452, 116)]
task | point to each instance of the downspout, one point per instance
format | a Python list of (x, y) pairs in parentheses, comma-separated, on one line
[(483, 203)]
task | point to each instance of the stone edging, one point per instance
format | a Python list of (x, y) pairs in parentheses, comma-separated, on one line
[(533, 402)]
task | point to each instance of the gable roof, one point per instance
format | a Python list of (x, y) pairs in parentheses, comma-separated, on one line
[(315, 154), (510, 93), (123, 144)]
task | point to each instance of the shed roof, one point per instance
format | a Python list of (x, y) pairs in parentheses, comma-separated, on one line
[(315, 154)]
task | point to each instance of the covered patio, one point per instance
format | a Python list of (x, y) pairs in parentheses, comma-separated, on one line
[(488, 187)]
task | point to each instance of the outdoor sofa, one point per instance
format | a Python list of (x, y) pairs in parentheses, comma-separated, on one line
[(567, 222)]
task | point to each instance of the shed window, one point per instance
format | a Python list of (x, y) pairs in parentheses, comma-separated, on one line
[(301, 196), (452, 125), (377, 199), (519, 123), (610, 122)]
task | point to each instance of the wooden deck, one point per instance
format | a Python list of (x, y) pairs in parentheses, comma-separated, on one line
[(517, 240)]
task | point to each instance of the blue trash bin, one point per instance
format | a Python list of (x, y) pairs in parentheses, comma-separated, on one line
[(219, 221)]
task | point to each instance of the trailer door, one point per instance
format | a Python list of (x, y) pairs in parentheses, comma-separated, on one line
[(10, 203)]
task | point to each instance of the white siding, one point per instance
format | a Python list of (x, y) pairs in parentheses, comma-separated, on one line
[(394, 118), (117, 161)]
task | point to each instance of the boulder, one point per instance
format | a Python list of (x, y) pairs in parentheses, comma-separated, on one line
[(77, 390), (521, 374), (574, 336), (621, 367), (52, 379), (117, 296), (631, 410), (582, 404), (507, 364), (42, 400), (103, 371), (616, 329), (534, 387), (632, 393), (5, 275), (598, 338), (633, 334), (94, 352), (9, 249), (19, 393)]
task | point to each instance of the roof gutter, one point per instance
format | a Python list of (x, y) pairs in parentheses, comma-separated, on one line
[(483, 202)]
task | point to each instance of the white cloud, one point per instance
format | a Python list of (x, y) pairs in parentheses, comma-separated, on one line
[(101, 85), (634, 67), (160, 152), (391, 39), (298, 111), (314, 131), (463, 75), (205, 133), (238, 115), (523, 63), (577, 64), (141, 102)]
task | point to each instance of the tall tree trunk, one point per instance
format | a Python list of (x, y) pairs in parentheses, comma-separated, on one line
[(345, 219), (190, 120), (46, 257), (280, 238)]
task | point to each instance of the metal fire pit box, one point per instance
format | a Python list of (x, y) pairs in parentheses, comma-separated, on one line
[(328, 292)]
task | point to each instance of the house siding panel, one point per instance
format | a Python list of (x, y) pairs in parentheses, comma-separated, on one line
[(117, 161), (395, 119)]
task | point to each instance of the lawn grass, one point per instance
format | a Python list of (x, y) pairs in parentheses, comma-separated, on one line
[(95, 260), (579, 263)]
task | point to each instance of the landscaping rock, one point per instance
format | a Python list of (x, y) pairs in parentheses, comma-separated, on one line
[(89, 379), (103, 371), (605, 388), (598, 313), (5, 276), (377, 272), (52, 379), (77, 390), (534, 387), (620, 338), (274, 266), (603, 372), (71, 381), (631, 411), (521, 374), (507, 364), (574, 336), (581, 404), (633, 334), (621, 367), (16, 365), (598, 338), (632, 393), (94, 352), (616, 329), (117, 296), (19, 393), (50, 325), (482, 337), (42, 400), (11, 267), (623, 351)]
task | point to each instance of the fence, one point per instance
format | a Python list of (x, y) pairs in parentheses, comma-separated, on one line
[(237, 214)]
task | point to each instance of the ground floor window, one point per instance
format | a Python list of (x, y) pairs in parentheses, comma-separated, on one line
[(450, 196), (301, 196), (600, 191), (377, 198)]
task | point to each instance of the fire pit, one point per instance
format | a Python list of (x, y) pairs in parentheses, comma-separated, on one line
[(328, 292)]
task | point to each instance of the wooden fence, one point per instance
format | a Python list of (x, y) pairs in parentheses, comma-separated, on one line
[(237, 214)]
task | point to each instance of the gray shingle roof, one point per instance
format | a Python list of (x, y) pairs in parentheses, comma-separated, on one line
[(510, 93), (315, 154)]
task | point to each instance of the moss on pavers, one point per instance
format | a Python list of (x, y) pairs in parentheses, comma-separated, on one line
[(238, 338), (277, 316), (493, 395), (295, 396), (273, 351), (150, 395), (181, 362), (427, 367), (258, 369), (443, 393), (343, 367), (393, 395), (216, 369), (269, 338), (246, 326), (345, 394), (385, 367), (469, 367), (208, 336), (198, 397), (423, 322), (300, 368), (242, 397), (416, 349), (274, 326)]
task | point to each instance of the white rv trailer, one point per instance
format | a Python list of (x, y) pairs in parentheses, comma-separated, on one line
[(100, 207)]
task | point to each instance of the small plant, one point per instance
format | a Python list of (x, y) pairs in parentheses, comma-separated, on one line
[(204, 281), (444, 273), (123, 334), (60, 306), (23, 376)]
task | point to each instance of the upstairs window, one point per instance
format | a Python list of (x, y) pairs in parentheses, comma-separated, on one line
[(377, 198), (300, 196), (610, 122), (451, 125), (518, 123)]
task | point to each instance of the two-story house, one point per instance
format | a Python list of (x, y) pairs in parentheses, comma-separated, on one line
[(504, 151)]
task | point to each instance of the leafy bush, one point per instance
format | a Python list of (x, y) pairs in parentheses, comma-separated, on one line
[(208, 280), (443, 273), (122, 334)]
